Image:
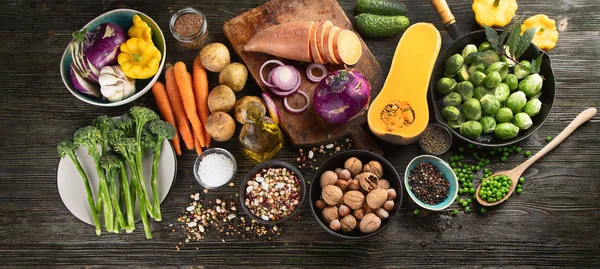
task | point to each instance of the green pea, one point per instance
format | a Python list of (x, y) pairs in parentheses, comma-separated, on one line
[(467, 209), (518, 149), (460, 191), (461, 200), (483, 209), (469, 201), (472, 146), (416, 212), (519, 191), (455, 212), (521, 180), (527, 153), (503, 158), (548, 139), (461, 149)]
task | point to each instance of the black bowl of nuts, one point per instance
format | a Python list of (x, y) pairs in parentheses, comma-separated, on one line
[(355, 194), (272, 192)]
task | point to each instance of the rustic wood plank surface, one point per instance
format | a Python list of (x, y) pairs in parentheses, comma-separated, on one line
[(555, 222)]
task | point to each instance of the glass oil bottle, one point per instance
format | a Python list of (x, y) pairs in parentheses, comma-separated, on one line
[(260, 137)]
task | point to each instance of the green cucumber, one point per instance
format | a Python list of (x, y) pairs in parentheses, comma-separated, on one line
[(381, 26), (380, 7)]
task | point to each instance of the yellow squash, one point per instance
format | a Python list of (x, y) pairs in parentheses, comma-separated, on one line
[(400, 113), (546, 34), (494, 13)]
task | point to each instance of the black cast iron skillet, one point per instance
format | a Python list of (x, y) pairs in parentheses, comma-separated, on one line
[(477, 37)]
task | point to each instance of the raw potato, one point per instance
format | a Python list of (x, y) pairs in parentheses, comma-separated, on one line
[(221, 98), (220, 126), (234, 75), (215, 56), (240, 103)]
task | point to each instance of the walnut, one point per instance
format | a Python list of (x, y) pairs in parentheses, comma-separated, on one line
[(348, 223), (345, 174), (332, 195), (369, 223), (388, 205), (335, 225), (368, 181), (354, 165), (354, 199), (343, 211), (374, 167), (391, 194), (376, 198), (381, 213), (354, 185), (330, 213), (359, 214), (328, 178), (384, 184), (342, 184)]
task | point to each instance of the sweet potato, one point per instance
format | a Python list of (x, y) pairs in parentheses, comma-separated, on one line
[(322, 30), (289, 40), (329, 54), (347, 47), (314, 49)]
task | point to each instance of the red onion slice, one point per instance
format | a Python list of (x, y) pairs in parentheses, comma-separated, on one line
[(285, 77), (296, 110), (271, 108), (310, 74), (268, 84)]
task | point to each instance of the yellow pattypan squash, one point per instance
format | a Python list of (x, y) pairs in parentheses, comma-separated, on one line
[(140, 29), (546, 34), (494, 13), (139, 59)]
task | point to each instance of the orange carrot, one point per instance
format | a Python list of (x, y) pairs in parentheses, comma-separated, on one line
[(177, 104), (201, 93), (202, 142), (197, 146), (162, 100), (184, 83)]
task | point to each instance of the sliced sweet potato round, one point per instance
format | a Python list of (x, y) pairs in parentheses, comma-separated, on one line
[(347, 47), (329, 50), (314, 48), (322, 31)]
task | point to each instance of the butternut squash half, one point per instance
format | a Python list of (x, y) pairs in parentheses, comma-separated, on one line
[(399, 114)]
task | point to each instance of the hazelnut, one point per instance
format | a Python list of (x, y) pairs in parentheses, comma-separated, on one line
[(354, 185), (366, 209), (328, 178), (342, 184), (359, 214), (337, 171), (381, 213), (374, 167), (348, 223), (332, 195), (369, 223), (376, 198), (343, 211), (335, 225), (391, 194), (354, 165), (354, 199), (345, 175), (384, 184), (388, 205), (320, 204), (329, 213), (368, 181)]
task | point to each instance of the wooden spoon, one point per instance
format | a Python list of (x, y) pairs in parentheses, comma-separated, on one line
[(516, 172)]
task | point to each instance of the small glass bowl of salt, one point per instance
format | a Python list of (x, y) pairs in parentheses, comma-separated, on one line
[(214, 168)]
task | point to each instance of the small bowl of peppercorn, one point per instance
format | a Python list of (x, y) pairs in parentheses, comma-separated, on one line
[(272, 192), (436, 139), (430, 182)]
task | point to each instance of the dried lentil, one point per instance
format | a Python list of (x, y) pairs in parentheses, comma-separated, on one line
[(273, 194), (428, 184)]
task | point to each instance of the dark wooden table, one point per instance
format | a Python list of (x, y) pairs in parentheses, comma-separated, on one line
[(555, 222)]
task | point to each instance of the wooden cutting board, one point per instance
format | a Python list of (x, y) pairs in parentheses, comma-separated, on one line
[(308, 128)]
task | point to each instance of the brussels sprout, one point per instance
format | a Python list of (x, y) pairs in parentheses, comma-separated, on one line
[(504, 115), (465, 89), (463, 73), (454, 124), (485, 46), (506, 130), (481, 91), (488, 124), (531, 85), (477, 66), (520, 72), (452, 99), (489, 57), (461, 118), (532, 108), (471, 129), (511, 81), (468, 50), (450, 113), (492, 79), (446, 86), (516, 101), (477, 78), (453, 64), (501, 92), (472, 109), (500, 67), (522, 120), (490, 104)]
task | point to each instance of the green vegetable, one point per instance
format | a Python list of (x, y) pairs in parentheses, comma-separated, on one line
[(521, 180), (455, 212), (490, 104), (472, 109), (445, 85), (453, 64), (488, 57), (477, 66), (463, 73), (483, 209), (105, 125), (502, 92), (522, 120), (488, 124), (465, 90), (522, 69), (477, 78), (380, 7), (492, 187), (548, 139), (468, 50), (516, 101), (450, 113), (416, 212), (161, 130), (481, 91), (527, 153), (504, 115), (511, 81), (532, 107), (500, 67), (485, 46), (372, 25), (111, 163), (452, 99), (492, 79), (471, 129), (141, 116), (67, 148), (531, 85), (506, 130)]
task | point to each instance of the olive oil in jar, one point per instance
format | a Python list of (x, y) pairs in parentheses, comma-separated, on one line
[(260, 137)]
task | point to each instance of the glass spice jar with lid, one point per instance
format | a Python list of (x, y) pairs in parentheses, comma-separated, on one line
[(189, 27)]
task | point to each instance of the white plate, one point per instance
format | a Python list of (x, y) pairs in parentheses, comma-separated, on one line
[(72, 191)]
